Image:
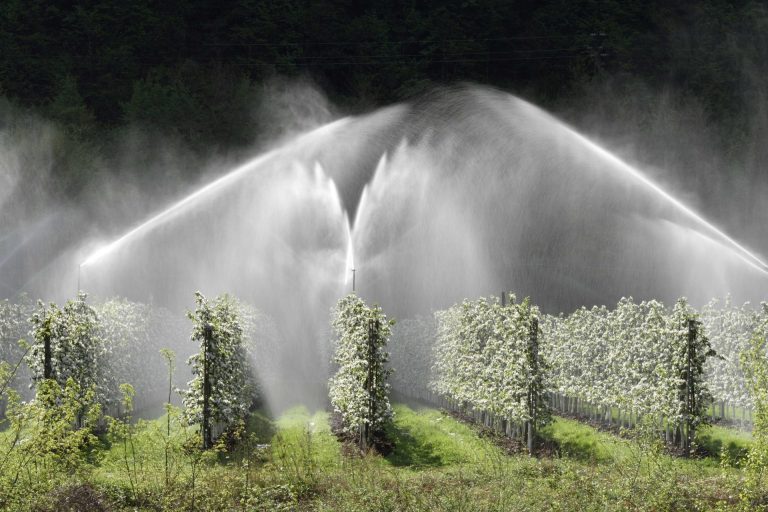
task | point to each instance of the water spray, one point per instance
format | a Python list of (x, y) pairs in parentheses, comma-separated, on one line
[(742, 252), (221, 182)]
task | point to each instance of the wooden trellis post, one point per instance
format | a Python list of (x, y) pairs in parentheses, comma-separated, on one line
[(690, 387), (47, 365), (207, 437), (533, 368)]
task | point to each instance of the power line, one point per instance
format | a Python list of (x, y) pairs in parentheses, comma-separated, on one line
[(392, 42), (439, 55), (359, 62), (442, 57), (451, 54)]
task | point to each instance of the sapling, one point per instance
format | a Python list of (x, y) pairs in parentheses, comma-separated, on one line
[(122, 430), (170, 361)]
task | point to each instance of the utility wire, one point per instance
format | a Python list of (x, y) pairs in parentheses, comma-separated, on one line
[(436, 55), (442, 57), (427, 60), (449, 53), (392, 42)]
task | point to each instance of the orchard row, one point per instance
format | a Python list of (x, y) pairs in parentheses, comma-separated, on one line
[(507, 363)]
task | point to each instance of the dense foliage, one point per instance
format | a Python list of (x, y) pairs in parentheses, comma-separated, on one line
[(46, 441), (755, 363), (359, 391), (13, 328), (730, 329), (125, 57), (639, 357), (222, 361), (68, 345), (109, 344), (487, 357)]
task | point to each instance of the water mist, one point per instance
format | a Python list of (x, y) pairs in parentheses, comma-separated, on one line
[(468, 192)]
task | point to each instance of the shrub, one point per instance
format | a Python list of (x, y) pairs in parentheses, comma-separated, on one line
[(755, 363)]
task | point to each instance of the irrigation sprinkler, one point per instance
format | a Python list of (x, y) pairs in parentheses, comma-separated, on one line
[(353, 279)]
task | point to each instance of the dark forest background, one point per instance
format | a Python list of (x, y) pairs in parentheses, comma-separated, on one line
[(679, 85)]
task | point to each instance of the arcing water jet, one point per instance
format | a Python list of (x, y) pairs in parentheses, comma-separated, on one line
[(228, 179)]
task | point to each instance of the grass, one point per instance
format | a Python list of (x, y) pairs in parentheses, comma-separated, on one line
[(438, 463), (303, 441), (717, 441), (582, 442), (425, 437)]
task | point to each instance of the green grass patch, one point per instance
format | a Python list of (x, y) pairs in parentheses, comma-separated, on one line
[(305, 438), (426, 437), (583, 442), (261, 425), (438, 463), (728, 443)]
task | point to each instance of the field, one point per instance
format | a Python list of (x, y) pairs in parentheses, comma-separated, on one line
[(438, 463), (490, 432)]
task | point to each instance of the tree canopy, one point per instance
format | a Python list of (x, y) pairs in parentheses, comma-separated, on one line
[(123, 56)]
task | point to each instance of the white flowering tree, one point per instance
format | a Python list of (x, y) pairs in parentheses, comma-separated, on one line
[(730, 328), (221, 390), (693, 352), (359, 391), (123, 327), (641, 358), (579, 370), (67, 345), (487, 358)]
